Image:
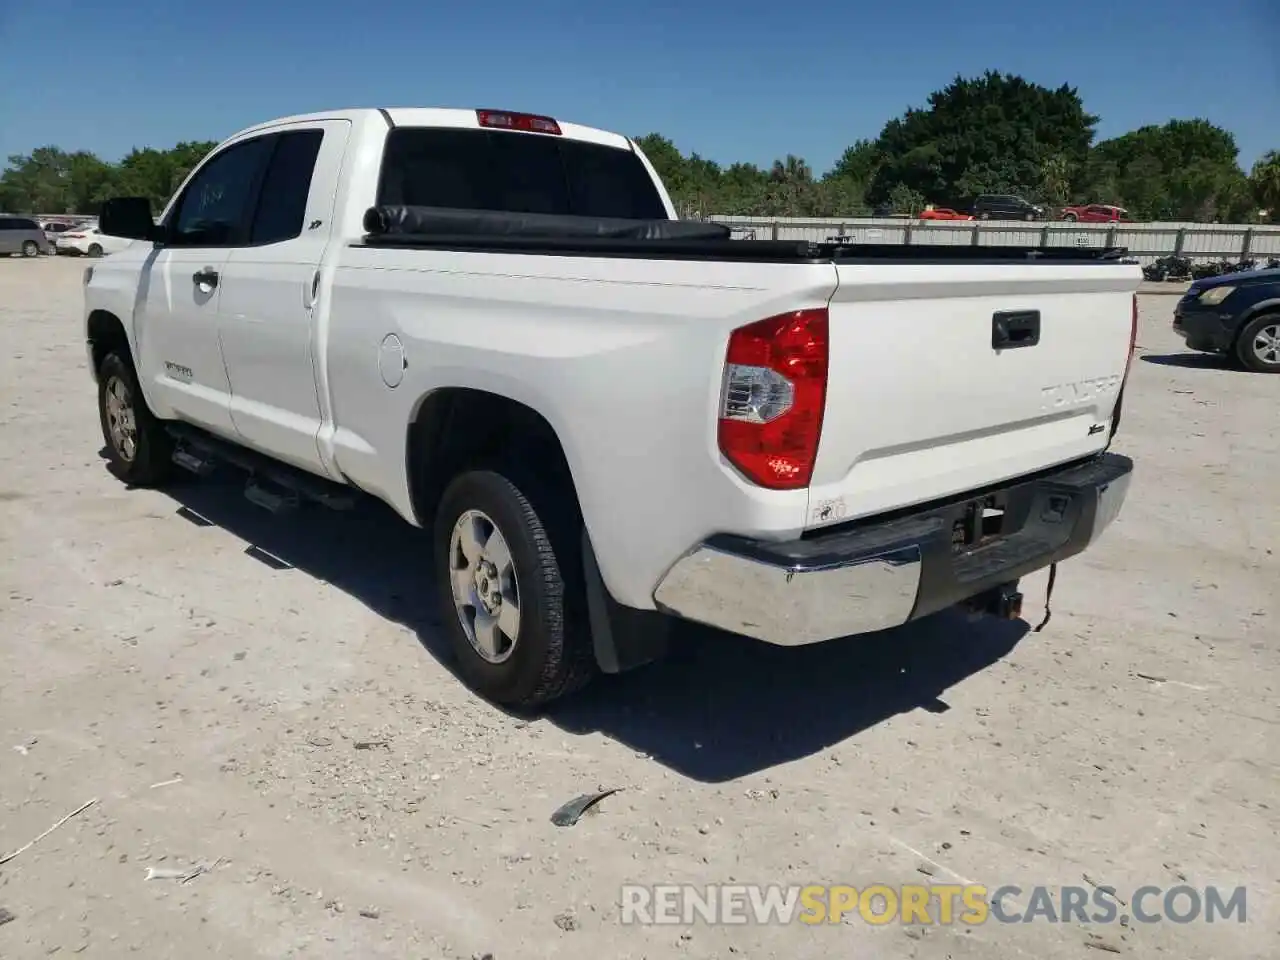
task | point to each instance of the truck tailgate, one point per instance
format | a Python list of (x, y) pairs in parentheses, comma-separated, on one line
[(920, 404)]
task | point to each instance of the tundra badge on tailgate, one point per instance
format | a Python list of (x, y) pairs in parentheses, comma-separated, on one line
[(1077, 391)]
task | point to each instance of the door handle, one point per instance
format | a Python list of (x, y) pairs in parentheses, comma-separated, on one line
[(1011, 329), (208, 277)]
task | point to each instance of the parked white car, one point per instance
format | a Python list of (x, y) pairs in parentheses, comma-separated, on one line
[(88, 242), (606, 416)]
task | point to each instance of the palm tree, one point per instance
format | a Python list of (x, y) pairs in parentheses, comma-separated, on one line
[(791, 170), (791, 187), (1055, 179), (1265, 180)]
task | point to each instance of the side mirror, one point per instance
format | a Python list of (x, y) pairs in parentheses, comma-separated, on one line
[(128, 217)]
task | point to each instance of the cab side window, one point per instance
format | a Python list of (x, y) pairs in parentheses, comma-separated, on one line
[(216, 207), (282, 206)]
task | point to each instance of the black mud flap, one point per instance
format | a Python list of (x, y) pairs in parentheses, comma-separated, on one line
[(623, 638)]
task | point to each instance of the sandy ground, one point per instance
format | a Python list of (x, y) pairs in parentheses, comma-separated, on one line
[(352, 799)]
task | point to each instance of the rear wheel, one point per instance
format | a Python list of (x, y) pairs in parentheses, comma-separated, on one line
[(31, 249), (1258, 346), (139, 449), (510, 591)]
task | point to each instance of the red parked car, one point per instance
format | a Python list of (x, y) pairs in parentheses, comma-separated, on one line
[(1096, 213), (943, 213)]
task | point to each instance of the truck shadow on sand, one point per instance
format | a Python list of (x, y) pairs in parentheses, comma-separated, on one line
[(1189, 361), (720, 707)]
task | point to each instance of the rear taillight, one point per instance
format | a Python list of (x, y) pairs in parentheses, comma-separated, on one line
[(527, 122), (773, 396)]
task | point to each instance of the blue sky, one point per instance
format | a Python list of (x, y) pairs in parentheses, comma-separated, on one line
[(744, 80)]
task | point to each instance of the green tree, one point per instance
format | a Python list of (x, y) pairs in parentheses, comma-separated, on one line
[(89, 182), (990, 134), (1264, 181), (903, 199), (995, 133), (1055, 179), (843, 190), (839, 197), (859, 162), (38, 182), (742, 190), (791, 190), (1098, 181), (50, 180), (1183, 170)]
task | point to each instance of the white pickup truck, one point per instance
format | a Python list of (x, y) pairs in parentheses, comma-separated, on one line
[(606, 416)]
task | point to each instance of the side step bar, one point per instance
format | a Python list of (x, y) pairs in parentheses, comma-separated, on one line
[(271, 484), (269, 497)]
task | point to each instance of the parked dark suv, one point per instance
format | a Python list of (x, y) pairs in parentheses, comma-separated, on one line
[(22, 235), (1003, 206)]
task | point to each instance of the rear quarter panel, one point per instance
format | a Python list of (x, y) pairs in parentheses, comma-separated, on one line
[(622, 357)]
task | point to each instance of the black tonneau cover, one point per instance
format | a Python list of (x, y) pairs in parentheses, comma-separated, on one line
[(444, 228), (391, 220)]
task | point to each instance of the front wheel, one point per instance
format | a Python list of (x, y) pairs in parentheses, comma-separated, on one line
[(139, 449), (1070, 217), (95, 249), (30, 249), (1258, 346), (507, 595)]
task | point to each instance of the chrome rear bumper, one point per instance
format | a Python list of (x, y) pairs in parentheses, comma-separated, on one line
[(878, 574)]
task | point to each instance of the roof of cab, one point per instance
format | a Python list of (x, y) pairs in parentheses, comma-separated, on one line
[(441, 117)]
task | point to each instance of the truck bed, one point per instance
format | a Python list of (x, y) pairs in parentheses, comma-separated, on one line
[(442, 228)]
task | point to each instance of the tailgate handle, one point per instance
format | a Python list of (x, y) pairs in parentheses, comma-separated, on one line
[(1011, 329)]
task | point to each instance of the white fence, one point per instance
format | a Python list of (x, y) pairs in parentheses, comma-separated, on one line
[(1146, 241)]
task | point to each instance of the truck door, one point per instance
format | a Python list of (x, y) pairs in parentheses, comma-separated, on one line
[(270, 290), (181, 284)]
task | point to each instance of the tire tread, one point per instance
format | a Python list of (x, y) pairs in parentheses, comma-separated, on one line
[(152, 465), (568, 661), (568, 665)]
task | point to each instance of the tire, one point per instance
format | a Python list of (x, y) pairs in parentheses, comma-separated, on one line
[(95, 249), (1252, 350), (550, 653), (984, 216), (1029, 217), (147, 461), (31, 249), (1070, 217)]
